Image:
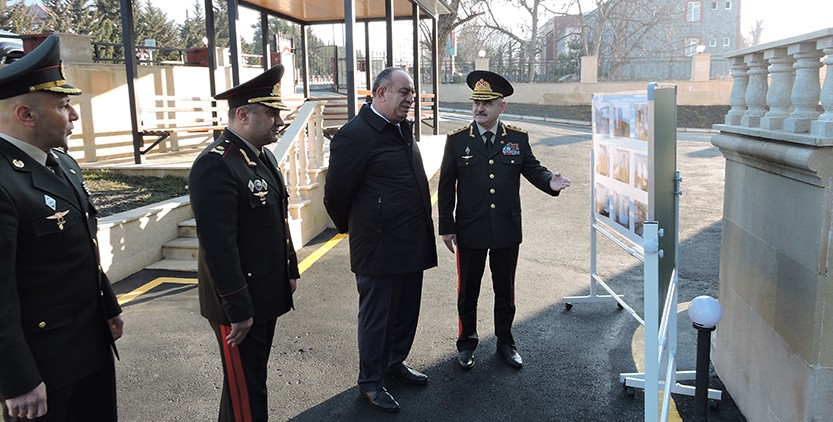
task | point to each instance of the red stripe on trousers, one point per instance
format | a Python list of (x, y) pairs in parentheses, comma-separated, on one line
[(459, 285), (236, 379)]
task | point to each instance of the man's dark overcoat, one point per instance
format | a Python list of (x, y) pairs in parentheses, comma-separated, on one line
[(54, 299), (377, 191), (246, 255)]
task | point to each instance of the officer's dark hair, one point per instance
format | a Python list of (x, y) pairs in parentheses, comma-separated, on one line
[(384, 78)]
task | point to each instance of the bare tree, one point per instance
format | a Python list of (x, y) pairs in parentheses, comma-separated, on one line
[(755, 34), (461, 14), (616, 30), (525, 34)]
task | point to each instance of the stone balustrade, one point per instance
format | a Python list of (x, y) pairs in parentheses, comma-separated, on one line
[(776, 90)]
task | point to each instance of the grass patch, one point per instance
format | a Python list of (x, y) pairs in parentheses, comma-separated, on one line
[(114, 193)]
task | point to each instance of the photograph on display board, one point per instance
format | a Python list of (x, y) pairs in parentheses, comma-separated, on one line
[(639, 212), (621, 165), (640, 171), (602, 160), (602, 200), (601, 121), (621, 125), (641, 126)]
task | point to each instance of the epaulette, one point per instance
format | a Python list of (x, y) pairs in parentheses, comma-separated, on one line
[(515, 128), (219, 149), (458, 130)]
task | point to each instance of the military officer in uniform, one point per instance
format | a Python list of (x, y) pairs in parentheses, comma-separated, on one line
[(247, 267), (59, 318), (480, 209)]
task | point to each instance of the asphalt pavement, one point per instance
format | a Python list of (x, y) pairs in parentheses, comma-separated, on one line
[(170, 366)]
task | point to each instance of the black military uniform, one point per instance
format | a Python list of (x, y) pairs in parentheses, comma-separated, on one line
[(55, 301), (246, 255), (482, 179)]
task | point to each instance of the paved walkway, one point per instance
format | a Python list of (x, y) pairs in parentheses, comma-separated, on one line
[(170, 365)]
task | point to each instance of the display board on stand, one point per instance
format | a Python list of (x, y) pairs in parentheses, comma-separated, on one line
[(635, 204)]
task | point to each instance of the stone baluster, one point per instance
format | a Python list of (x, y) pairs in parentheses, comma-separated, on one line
[(806, 90), (781, 84), (823, 127), (737, 98), (303, 165), (756, 91), (315, 134), (294, 180)]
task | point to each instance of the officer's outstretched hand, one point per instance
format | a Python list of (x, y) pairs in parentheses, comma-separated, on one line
[(450, 241), (238, 332), (559, 182)]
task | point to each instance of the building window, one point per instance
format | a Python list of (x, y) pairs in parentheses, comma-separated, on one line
[(713, 42), (714, 5), (728, 4), (691, 44), (693, 11), (726, 41)]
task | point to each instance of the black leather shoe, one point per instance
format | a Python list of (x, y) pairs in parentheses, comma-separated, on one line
[(380, 399), (510, 355), (465, 359), (405, 374)]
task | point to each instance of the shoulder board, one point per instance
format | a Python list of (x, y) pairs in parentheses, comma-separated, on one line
[(220, 149), (515, 128), (458, 130)]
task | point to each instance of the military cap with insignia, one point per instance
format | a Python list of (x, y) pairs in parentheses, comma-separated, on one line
[(263, 89), (487, 85), (39, 70)]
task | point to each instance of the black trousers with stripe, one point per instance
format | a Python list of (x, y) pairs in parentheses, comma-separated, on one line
[(471, 264), (244, 373)]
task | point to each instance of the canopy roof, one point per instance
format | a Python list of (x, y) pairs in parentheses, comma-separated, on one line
[(329, 11)]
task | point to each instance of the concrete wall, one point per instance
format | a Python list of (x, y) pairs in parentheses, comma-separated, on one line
[(774, 345), (714, 92), (132, 240)]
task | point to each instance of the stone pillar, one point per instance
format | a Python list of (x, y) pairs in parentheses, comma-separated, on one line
[(737, 98), (481, 64), (756, 91), (774, 344), (589, 69), (780, 88), (75, 48), (701, 67), (806, 90), (823, 127)]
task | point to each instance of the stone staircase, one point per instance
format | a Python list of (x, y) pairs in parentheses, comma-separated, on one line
[(180, 254)]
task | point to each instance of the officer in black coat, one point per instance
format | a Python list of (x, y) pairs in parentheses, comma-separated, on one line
[(247, 266), (377, 191), (480, 175), (58, 314)]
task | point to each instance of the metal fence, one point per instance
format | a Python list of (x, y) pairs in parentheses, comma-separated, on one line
[(553, 71)]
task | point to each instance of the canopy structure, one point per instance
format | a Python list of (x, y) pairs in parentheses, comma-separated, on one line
[(306, 13)]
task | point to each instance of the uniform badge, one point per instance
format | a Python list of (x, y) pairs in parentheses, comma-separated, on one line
[(59, 218), (17, 163), (468, 154), (245, 156), (259, 189), (511, 148), (50, 202)]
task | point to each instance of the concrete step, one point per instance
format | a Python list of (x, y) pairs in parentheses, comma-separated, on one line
[(182, 248), (189, 265), (188, 228)]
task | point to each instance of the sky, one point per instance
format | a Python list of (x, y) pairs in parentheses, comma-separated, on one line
[(782, 19)]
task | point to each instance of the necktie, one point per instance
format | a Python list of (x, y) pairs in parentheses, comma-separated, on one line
[(488, 136), (52, 165)]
